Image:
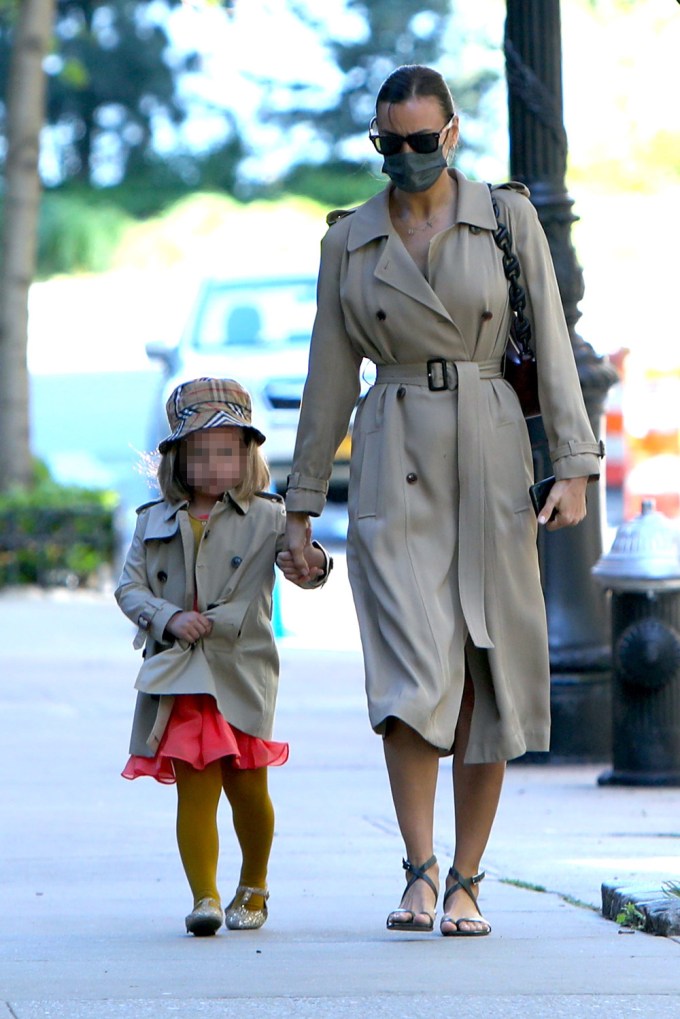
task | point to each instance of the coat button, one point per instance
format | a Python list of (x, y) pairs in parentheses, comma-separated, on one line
[(487, 315), (162, 576), (236, 561), (412, 478), (380, 315), (401, 392), (475, 229)]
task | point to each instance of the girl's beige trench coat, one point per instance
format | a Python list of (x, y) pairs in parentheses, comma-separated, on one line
[(441, 543), (234, 570)]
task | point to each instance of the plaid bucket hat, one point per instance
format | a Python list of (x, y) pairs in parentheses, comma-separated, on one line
[(207, 403)]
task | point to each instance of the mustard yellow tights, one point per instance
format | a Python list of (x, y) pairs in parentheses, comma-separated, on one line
[(198, 797)]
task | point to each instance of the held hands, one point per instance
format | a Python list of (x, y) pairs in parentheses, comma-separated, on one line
[(189, 626), (285, 563), (301, 562), (567, 500)]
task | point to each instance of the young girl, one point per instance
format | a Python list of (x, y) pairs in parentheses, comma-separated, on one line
[(198, 582)]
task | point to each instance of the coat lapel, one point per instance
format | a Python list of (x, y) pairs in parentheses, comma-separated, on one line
[(162, 520), (395, 267)]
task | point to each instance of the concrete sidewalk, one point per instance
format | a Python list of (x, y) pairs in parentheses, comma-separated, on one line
[(94, 895)]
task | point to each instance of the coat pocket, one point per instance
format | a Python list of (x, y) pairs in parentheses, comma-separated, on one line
[(227, 619), (513, 472), (369, 474)]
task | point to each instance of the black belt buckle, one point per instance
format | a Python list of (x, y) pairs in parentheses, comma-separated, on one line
[(437, 362)]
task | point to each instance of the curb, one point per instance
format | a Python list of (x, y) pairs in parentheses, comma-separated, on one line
[(660, 912)]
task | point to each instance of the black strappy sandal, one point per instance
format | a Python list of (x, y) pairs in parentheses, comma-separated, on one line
[(467, 884), (419, 874)]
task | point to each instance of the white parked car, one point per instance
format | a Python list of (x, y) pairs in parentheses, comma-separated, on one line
[(256, 331)]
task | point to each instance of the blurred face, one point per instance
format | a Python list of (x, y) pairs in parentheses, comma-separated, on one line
[(214, 460)]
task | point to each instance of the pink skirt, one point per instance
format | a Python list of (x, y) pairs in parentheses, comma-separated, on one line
[(198, 734)]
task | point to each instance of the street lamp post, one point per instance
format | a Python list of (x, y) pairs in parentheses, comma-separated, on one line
[(580, 660)]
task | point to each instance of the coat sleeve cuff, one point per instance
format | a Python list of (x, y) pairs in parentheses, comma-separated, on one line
[(578, 460), (573, 448), (585, 465), (158, 619), (306, 494)]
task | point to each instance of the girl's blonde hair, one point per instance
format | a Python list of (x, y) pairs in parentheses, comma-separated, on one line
[(175, 488)]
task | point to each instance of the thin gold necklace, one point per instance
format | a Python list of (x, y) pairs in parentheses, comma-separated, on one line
[(427, 225)]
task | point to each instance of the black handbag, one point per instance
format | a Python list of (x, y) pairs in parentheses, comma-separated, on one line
[(519, 367)]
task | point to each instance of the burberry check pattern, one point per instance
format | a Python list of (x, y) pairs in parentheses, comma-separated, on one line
[(207, 403)]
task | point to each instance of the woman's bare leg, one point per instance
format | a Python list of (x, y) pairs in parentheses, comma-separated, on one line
[(476, 793), (412, 766)]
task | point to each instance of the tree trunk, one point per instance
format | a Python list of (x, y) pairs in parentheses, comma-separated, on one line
[(25, 116)]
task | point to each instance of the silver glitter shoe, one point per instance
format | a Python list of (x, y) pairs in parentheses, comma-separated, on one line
[(238, 918), (206, 918)]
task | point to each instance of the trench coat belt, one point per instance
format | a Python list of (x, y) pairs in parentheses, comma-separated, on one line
[(165, 704), (441, 375)]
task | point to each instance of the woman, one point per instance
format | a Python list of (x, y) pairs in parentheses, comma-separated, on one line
[(441, 545)]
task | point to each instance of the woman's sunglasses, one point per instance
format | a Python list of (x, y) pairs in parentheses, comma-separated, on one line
[(389, 144)]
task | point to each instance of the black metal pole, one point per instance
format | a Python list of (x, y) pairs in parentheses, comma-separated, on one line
[(580, 659)]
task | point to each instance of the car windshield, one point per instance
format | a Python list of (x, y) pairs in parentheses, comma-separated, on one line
[(259, 316)]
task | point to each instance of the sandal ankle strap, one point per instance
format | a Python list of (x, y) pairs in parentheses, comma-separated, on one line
[(466, 883), (418, 873)]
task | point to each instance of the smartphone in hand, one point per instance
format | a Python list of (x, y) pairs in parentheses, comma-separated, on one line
[(539, 493)]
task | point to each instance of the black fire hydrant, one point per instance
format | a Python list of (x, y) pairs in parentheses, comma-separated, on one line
[(642, 571)]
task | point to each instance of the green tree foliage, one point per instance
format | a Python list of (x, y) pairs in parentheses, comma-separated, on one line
[(393, 33), (109, 81), (408, 32), (112, 81), (114, 84)]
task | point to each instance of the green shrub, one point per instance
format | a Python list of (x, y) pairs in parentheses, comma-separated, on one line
[(77, 233), (54, 534)]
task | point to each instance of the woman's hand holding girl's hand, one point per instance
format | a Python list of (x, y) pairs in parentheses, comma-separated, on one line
[(568, 499), (189, 626), (284, 561), (316, 568), (298, 538)]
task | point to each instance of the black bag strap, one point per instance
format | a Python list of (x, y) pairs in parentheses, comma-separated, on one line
[(520, 330)]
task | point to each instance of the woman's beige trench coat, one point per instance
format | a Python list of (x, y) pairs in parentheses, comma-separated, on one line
[(442, 537), (234, 570)]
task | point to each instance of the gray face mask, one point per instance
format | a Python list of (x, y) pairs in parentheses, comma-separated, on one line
[(414, 171)]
